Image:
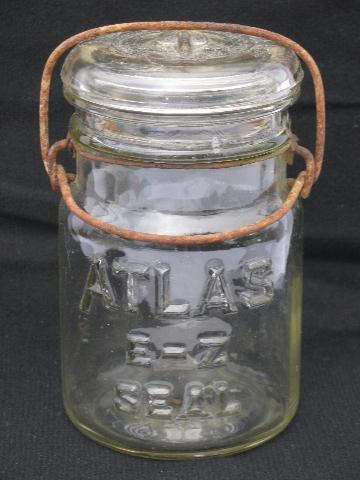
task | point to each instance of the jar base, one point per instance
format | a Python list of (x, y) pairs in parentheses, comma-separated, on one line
[(184, 455)]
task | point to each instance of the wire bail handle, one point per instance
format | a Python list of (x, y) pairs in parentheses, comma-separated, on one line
[(59, 179)]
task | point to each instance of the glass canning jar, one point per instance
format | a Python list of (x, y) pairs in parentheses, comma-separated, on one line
[(180, 349)]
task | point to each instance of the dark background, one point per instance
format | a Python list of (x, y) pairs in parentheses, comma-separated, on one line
[(36, 439)]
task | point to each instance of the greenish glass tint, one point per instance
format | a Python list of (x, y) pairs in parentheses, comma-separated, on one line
[(181, 351)]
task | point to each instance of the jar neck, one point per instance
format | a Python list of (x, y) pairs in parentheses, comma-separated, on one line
[(180, 201), (181, 138)]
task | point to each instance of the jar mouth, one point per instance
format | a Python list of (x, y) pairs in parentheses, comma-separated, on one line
[(178, 72), (156, 139)]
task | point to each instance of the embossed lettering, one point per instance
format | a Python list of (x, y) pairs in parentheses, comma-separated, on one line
[(134, 273), (159, 394), (138, 351), (196, 397), (251, 289), (210, 349), (213, 399), (259, 289), (98, 283), (162, 287), (128, 396), (217, 293), (156, 399), (174, 351)]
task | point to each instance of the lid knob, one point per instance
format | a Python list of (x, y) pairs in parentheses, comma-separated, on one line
[(184, 43)]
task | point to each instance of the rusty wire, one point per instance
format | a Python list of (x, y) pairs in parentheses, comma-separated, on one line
[(300, 185)]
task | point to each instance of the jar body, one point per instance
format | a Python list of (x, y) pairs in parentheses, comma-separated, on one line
[(181, 351)]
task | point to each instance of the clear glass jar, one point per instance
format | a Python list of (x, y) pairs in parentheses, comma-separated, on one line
[(180, 351)]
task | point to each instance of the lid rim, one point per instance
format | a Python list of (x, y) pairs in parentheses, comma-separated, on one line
[(255, 108)]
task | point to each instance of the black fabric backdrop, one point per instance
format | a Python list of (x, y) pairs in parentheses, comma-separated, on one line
[(36, 440)]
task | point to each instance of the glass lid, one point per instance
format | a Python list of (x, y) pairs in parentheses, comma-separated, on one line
[(181, 72)]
